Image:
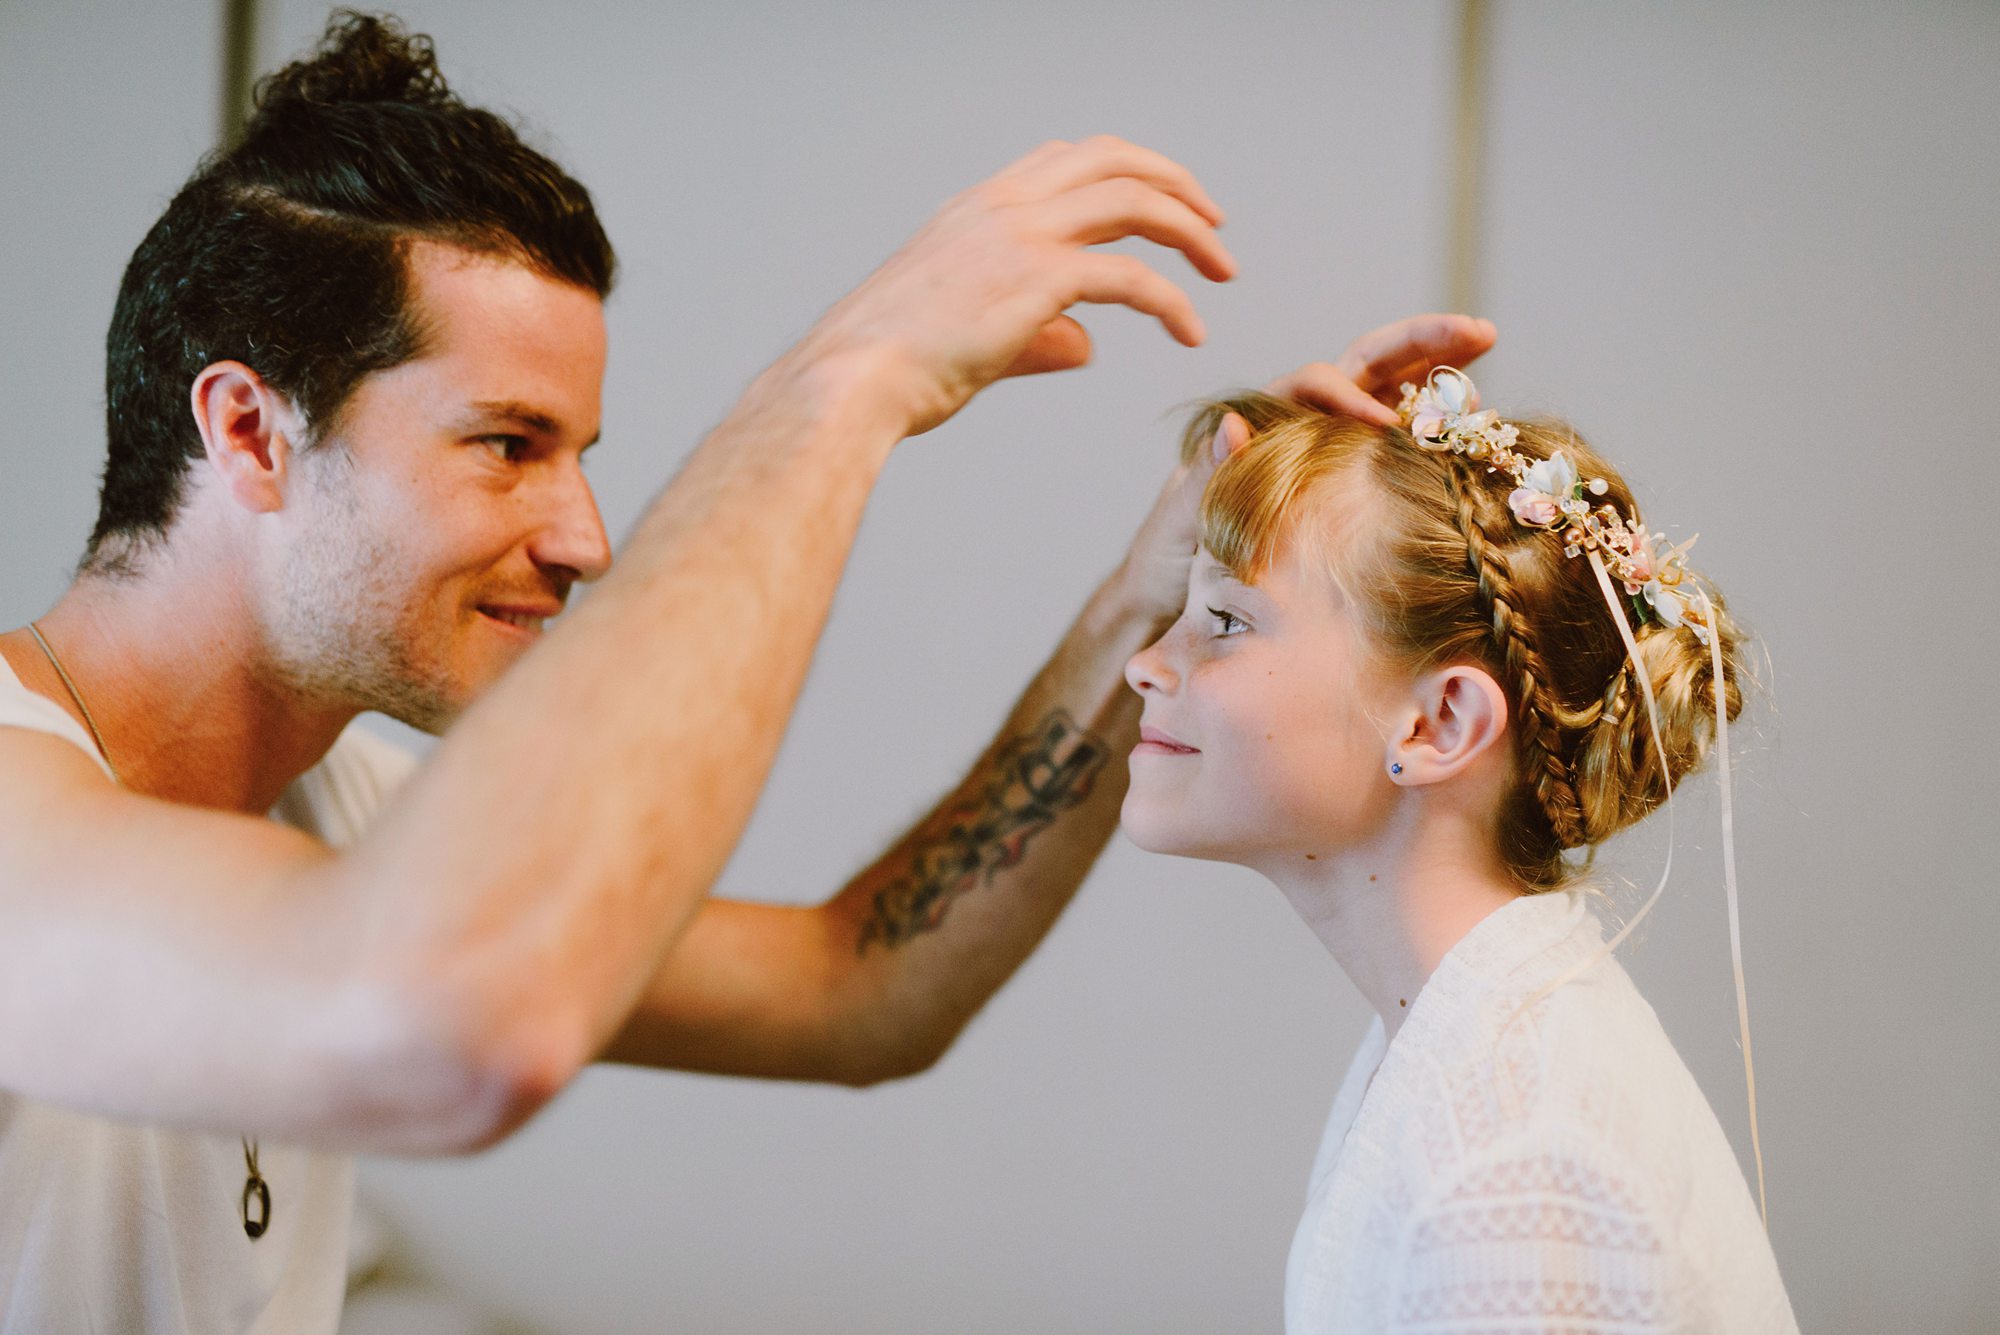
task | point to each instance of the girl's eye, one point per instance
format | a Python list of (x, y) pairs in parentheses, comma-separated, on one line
[(1227, 623), (508, 449)]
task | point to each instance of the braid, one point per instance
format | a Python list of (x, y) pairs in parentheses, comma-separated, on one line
[(1613, 731), (1540, 733)]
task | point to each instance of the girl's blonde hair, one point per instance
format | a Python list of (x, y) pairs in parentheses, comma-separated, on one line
[(1440, 572)]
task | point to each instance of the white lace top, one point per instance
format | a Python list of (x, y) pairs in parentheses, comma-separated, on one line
[(1562, 1173)]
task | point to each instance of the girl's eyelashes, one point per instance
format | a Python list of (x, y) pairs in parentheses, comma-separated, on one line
[(1227, 623)]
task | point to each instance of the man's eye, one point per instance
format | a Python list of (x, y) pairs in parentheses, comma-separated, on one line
[(1227, 623), (508, 449)]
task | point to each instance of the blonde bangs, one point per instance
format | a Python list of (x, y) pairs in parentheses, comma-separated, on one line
[(1259, 498)]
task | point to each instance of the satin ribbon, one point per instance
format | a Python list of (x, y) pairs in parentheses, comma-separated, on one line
[(1619, 619), (1729, 887)]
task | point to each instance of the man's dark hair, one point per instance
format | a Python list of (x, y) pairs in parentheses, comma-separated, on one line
[(287, 252)]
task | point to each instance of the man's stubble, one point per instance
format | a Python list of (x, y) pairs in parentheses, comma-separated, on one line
[(346, 628)]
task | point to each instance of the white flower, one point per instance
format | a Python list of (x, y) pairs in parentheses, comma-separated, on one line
[(1451, 390), (1446, 407), (1666, 603), (1554, 477)]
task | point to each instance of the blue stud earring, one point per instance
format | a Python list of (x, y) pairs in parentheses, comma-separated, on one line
[(1396, 768)]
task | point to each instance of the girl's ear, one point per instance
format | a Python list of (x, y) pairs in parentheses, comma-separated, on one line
[(1453, 716)]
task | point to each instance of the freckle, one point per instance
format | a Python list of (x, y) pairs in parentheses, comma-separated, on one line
[(1401, 1002), (1312, 857), (1371, 878), (1267, 736)]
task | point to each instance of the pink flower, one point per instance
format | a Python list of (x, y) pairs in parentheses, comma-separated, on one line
[(1537, 509), (1639, 567)]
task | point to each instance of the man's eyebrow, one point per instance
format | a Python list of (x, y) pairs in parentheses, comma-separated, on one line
[(532, 418)]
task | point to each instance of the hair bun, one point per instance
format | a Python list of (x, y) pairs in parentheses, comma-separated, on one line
[(360, 58), (1618, 772)]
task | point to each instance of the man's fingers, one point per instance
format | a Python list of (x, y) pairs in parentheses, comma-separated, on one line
[(1060, 345), (1121, 207), (1107, 156), (1324, 386), (1123, 281), (1029, 161), (1374, 360)]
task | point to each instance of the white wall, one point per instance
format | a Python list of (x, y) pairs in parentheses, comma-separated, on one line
[(103, 109), (1745, 253), (1757, 247)]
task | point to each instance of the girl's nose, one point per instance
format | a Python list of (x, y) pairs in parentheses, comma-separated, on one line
[(1147, 671)]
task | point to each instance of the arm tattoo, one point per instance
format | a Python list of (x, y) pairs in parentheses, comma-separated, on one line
[(1035, 776)]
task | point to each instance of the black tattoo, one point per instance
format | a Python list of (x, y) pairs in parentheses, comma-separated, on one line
[(1033, 778)]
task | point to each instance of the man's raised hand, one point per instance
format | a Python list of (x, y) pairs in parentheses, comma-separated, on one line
[(980, 292)]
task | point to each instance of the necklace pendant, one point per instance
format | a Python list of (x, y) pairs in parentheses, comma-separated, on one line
[(255, 1225)]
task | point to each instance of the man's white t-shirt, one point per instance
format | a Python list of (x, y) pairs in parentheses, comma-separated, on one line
[(107, 1226)]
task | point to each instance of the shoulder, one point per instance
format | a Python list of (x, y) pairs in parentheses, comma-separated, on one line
[(1561, 1034), (1552, 1060), (1590, 1063)]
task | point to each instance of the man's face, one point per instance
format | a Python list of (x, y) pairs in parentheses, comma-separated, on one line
[(446, 513)]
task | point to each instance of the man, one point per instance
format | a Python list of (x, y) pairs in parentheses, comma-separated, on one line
[(352, 373)]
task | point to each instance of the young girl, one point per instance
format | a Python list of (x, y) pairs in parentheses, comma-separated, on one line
[(1402, 688)]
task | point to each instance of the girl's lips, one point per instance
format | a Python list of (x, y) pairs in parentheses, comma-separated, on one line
[(1154, 742)]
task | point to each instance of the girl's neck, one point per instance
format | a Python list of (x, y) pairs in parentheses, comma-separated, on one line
[(1390, 910)]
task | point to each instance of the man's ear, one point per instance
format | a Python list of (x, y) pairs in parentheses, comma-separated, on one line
[(1454, 716), (247, 429)]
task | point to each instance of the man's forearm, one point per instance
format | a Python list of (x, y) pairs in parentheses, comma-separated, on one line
[(876, 982), (946, 916)]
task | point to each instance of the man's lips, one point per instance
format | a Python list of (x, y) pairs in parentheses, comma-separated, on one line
[(1154, 742), (525, 617)]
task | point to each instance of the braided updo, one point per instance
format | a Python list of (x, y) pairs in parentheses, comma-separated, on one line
[(1442, 572)]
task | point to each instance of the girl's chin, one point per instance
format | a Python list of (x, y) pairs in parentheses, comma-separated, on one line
[(1167, 839)]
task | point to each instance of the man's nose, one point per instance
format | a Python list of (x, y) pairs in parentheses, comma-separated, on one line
[(573, 534)]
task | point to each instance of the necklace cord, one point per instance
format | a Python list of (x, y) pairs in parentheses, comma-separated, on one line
[(76, 696), (253, 1182)]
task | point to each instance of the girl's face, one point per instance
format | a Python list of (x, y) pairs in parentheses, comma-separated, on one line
[(1263, 737)]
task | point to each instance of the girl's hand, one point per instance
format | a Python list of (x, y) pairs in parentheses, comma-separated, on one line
[(1367, 380)]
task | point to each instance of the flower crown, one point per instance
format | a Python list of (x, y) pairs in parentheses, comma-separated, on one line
[(1443, 414)]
